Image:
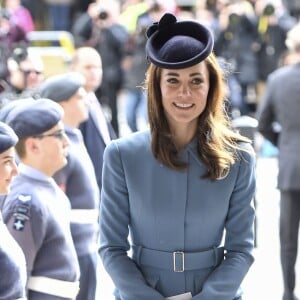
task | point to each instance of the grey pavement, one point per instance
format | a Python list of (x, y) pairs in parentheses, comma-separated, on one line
[(264, 278)]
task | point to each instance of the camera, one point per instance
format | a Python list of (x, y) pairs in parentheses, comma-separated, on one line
[(269, 10), (19, 54), (103, 15)]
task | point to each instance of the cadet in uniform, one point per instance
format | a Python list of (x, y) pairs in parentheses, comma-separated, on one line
[(36, 210), (78, 178), (12, 260)]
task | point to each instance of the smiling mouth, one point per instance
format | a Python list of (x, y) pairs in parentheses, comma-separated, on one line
[(183, 105)]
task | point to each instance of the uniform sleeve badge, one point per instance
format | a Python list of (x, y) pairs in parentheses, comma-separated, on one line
[(19, 224), (22, 212)]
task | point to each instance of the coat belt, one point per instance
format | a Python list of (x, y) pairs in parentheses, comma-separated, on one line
[(55, 287), (178, 261)]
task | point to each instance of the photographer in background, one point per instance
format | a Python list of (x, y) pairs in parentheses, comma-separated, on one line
[(135, 66), (25, 73), (99, 28), (11, 35), (273, 22), (237, 44)]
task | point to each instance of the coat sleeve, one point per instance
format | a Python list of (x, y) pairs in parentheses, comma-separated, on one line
[(13, 268), (114, 222), (26, 223), (266, 115), (224, 282), (82, 30)]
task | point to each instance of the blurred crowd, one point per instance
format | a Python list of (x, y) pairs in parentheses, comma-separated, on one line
[(249, 42)]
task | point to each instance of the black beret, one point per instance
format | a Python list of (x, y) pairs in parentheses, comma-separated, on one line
[(177, 45), (34, 117), (61, 87), (8, 138), (7, 108)]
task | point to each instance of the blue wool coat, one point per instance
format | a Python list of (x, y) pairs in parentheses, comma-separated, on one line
[(167, 211)]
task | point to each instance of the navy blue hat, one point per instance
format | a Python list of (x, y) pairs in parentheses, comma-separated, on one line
[(7, 108), (7, 137), (177, 45), (61, 87), (34, 117)]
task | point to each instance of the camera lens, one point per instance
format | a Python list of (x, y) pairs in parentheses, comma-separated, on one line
[(103, 15), (269, 10)]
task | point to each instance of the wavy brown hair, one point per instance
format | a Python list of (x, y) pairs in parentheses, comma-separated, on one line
[(217, 142)]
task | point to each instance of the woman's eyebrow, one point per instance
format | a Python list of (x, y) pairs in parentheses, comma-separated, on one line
[(172, 74), (177, 75), (196, 74)]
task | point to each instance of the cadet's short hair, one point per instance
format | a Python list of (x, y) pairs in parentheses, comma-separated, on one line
[(8, 138)]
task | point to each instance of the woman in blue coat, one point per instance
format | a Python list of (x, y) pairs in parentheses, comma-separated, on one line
[(177, 210)]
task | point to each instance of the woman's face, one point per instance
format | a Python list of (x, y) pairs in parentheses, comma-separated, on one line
[(184, 94), (8, 169)]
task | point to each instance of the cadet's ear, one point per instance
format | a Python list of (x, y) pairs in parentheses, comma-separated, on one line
[(32, 145)]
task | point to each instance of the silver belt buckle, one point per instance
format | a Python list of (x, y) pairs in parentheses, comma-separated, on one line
[(175, 257)]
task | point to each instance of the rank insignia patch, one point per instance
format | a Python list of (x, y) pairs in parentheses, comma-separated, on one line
[(19, 224), (24, 198), (22, 212)]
